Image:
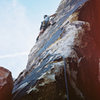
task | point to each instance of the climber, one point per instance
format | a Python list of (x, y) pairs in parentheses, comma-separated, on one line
[(45, 23)]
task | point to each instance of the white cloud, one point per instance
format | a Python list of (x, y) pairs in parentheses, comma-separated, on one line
[(14, 55)]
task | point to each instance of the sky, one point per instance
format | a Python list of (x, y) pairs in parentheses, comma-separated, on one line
[(19, 26)]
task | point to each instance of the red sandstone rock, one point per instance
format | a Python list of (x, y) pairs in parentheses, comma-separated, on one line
[(6, 84)]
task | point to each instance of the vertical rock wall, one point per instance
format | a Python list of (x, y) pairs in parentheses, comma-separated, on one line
[(72, 43)]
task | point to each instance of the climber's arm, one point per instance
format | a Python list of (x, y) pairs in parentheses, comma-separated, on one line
[(53, 15)]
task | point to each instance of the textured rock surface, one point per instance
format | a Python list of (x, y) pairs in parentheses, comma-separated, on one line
[(71, 45), (6, 84)]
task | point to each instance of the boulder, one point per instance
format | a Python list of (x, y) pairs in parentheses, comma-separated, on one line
[(6, 84)]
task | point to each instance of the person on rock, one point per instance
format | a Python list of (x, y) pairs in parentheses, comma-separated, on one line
[(45, 23)]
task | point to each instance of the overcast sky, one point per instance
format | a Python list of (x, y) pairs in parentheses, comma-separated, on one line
[(19, 26)]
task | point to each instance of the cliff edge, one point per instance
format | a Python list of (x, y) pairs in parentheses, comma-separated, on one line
[(64, 63)]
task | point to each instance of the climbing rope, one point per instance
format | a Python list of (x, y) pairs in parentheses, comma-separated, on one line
[(66, 82)]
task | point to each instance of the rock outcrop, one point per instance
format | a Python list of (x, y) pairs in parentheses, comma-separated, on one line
[(64, 63), (6, 84)]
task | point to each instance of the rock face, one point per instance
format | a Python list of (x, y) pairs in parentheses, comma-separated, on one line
[(64, 63), (6, 84)]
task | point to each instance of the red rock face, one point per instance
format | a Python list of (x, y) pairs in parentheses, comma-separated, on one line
[(91, 13), (97, 15), (96, 4), (89, 70), (97, 10), (6, 84)]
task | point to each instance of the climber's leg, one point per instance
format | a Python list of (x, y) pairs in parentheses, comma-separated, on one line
[(41, 32)]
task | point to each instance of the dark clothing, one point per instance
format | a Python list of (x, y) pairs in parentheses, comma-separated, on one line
[(44, 25)]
